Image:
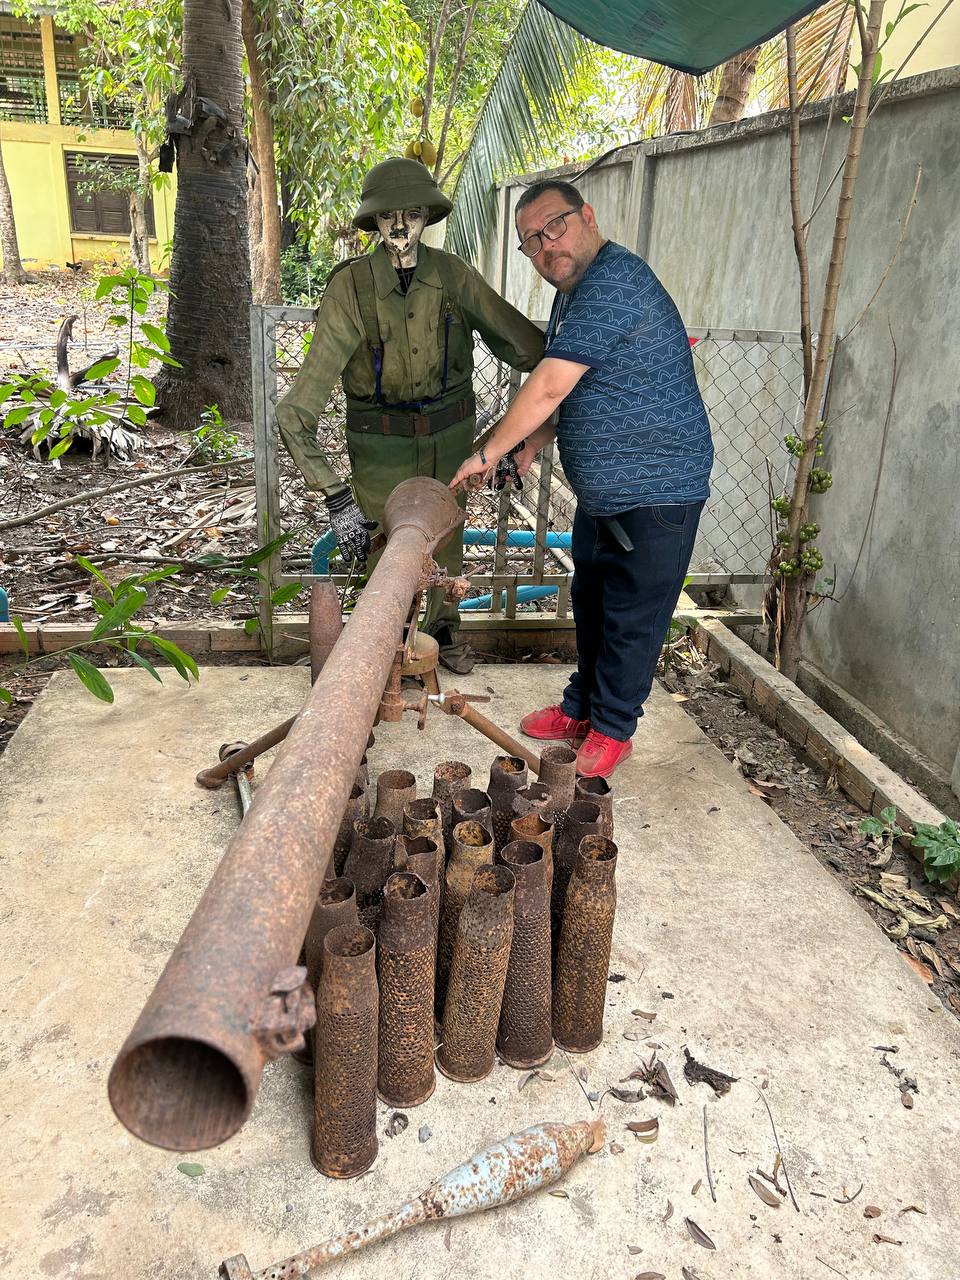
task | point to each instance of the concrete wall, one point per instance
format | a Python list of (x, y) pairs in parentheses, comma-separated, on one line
[(710, 211)]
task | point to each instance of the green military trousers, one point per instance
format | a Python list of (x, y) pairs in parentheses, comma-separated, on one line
[(378, 464)]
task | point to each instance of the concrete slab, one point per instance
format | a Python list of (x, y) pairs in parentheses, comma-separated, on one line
[(744, 948)]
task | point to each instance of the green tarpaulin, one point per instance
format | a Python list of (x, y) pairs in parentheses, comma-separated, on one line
[(691, 35)]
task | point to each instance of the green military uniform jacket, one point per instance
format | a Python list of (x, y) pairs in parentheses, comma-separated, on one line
[(412, 332)]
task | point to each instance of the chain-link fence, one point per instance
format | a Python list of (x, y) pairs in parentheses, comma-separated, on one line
[(517, 545)]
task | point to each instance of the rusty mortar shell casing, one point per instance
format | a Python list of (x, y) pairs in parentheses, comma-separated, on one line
[(336, 904), (582, 819), (525, 1036), (419, 855), (395, 789), (583, 960), (357, 808), (471, 1013), (534, 826), (449, 777), (345, 1058), (405, 970), (369, 865), (534, 798), (472, 805), (508, 775), (423, 818), (558, 773), (472, 848), (503, 1172), (599, 791)]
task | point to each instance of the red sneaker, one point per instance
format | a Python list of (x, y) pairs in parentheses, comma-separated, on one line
[(554, 725), (600, 755)]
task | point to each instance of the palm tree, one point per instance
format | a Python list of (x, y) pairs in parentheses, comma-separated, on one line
[(208, 323), (531, 101)]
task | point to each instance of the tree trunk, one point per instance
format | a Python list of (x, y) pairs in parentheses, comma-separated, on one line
[(289, 226), (268, 293), (255, 218), (796, 590), (735, 81), (139, 235), (208, 323), (13, 272)]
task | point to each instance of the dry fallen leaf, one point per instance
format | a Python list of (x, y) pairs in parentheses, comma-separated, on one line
[(561, 1195), (879, 1239), (871, 1211), (627, 1095), (616, 1149), (688, 1274), (698, 1234), (696, 1186), (650, 1275), (913, 1208), (918, 965), (906, 1097), (766, 1194), (669, 1214), (631, 1035), (634, 1249), (640, 1013), (645, 1130)]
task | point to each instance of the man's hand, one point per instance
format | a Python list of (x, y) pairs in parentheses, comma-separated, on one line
[(350, 527), (473, 473)]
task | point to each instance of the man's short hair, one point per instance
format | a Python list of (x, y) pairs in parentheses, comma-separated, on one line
[(569, 193)]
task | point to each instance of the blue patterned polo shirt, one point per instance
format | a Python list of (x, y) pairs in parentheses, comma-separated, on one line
[(634, 431)]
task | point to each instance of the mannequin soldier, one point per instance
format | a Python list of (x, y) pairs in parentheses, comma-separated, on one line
[(398, 325)]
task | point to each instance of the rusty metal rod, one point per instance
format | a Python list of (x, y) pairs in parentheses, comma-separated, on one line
[(230, 997), (456, 704), (217, 774)]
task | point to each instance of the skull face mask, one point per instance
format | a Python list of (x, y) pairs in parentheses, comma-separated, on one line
[(401, 230)]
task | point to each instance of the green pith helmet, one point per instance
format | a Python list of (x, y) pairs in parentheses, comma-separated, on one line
[(399, 184)]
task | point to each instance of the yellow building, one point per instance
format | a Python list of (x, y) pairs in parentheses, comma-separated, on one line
[(47, 124)]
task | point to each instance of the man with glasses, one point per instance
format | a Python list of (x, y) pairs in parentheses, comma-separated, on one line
[(635, 445)]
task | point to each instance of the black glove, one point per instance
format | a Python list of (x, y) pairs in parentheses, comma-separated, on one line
[(506, 469), (351, 528)]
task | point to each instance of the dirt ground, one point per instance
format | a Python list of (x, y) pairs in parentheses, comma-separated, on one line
[(825, 820)]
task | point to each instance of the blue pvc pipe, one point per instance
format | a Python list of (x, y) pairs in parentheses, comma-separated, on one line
[(523, 593), (324, 545), (4, 606)]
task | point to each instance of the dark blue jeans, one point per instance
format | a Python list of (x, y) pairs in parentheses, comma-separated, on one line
[(622, 605)]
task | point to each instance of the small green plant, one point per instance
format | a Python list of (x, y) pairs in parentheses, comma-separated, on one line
[(50, 413), (117, 607), (248, 576), (939, 846), (211, 440)]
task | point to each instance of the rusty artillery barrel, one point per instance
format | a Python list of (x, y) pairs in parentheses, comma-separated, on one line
[(406, 956), (449, 777), (580, 986), (231, 997), (525, 1036), (508, 775), (396, 788)]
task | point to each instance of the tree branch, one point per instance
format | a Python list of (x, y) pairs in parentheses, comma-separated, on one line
[(461, 59), (92, 494), (799, 240)]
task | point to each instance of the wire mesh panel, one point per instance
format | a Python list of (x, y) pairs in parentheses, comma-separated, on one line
[(517, 544)]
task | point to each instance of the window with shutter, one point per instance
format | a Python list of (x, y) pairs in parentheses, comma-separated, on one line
[(103, 212)]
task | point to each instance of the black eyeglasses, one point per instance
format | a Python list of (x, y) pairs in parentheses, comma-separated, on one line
[(554, 229)]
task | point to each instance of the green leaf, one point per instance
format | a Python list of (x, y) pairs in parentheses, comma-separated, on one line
[(889, 814), (58, 398), (84, 563), (141, 661), (103, 368), (16, 416), (872, 827), (136, 415), (218, 596), (7, 390), (284, 594), (182, 662), (62, 447), (144, 390), (157, 575), (191, 1170), (91, 677), (5, 695), (251, 626), (124, 607), (267, 550), (107, 285), (23, 636), (156, 336)]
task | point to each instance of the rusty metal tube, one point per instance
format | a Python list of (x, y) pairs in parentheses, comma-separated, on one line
[(453, 704), (229, 998)]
